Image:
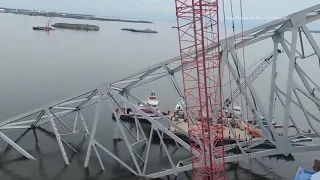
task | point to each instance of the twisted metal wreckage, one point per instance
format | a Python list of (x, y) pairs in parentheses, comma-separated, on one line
[(294, 23)]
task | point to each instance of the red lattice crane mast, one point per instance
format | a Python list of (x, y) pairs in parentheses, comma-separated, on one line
[(197, 23)]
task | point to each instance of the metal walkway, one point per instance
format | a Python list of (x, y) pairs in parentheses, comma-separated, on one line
[(118, 92)]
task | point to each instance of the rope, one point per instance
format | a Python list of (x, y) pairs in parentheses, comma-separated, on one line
[(226, 35), (244, 67), (236, 63)]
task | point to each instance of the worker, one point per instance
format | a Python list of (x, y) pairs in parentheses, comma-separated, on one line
[(180, 113), (228, 102), (316, 168)]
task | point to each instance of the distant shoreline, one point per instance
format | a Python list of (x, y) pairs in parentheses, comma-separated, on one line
[(66, 15)]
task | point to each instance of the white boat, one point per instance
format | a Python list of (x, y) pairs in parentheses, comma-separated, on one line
[(237, 111), (153, 100)]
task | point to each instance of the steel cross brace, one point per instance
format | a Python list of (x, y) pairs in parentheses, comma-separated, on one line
[(16, 146), (242, 90), (60, 140), (258, 154), (303, 76), (156, 127)]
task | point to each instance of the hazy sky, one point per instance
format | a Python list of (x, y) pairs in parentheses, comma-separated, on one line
[(161, 10)]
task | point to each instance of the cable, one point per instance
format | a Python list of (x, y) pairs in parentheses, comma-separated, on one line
[(230, 86), (232, 108), (244, 64)]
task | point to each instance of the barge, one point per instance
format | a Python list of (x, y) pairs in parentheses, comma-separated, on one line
[(139, 30), (244, 130), (85, 27)]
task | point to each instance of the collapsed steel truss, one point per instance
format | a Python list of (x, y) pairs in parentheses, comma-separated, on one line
[(119, 92)]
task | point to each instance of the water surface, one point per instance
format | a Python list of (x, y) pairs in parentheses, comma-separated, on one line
[(38, 68)]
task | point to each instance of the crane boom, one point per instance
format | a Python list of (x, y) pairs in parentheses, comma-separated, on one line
[(198, 28), (253, 76)]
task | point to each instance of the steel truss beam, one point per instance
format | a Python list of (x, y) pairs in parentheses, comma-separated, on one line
[(55, 112)]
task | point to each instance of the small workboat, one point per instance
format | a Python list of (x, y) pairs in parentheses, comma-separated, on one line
[(44, 28), (39, 28)]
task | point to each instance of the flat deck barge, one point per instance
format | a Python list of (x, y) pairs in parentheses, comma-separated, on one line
[(85, 27)]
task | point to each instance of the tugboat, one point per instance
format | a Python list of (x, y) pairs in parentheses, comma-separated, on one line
[(46, 28)]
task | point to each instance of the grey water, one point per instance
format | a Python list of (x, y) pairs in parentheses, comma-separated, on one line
[(37, 68)]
